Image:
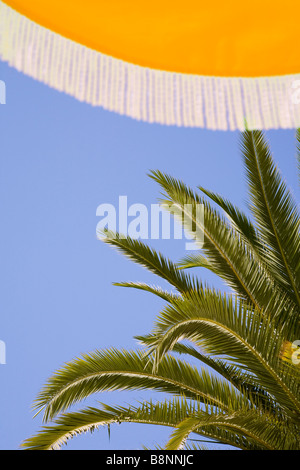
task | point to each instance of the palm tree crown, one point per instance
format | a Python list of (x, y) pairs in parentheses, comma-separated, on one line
[(245, 391)]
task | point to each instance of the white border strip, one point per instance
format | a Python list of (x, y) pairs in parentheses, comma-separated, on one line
[(147, 94)]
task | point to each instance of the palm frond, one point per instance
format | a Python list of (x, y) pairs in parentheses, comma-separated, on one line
[(167, 413), (155, 262), (221, 327), (168, 296), (250, 427), (275, 212), (241, 222), (196, 260), (230, 255), (113, 369), (243, 382)]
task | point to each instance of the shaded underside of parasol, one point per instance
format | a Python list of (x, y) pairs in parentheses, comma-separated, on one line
[(217, 66)]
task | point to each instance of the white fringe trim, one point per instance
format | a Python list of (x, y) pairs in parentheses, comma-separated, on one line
[(147, 94)]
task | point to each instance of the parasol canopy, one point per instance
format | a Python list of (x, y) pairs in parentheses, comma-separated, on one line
[(214, 64)]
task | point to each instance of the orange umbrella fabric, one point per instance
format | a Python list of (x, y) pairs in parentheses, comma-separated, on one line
[(215, 65)]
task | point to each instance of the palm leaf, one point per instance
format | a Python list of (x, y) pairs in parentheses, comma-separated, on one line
[(219, 325), (275, 212), (236, 216), (196, 260), (250, 427), (113, 369), (153, 261), (168, 296), (167, 413), (230, 255), (243, 382)]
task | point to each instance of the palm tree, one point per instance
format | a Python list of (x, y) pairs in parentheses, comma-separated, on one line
[(242, 393)]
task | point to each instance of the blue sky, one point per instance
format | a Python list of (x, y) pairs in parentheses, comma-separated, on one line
[(60, 159)]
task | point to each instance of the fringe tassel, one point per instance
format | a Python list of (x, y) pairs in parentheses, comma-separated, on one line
[(147, 94)]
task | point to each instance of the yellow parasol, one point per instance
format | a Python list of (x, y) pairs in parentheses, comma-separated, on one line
[(205, 64)]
